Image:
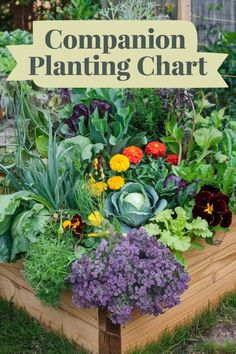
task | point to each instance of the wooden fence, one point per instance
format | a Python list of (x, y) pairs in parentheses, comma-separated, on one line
[(209, 16)]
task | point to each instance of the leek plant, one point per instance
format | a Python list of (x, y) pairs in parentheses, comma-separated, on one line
[(49, 178)]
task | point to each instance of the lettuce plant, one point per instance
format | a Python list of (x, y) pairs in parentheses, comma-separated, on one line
[(134, 204), (22, 220), (175, 229)]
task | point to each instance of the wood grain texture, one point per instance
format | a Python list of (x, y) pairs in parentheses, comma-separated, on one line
[(80, 326), (109, 335), (184, 10), (213, 273)]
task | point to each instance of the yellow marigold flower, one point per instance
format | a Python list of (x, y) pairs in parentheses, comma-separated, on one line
[(97, 188), (119, 163), (116, 182), (95, 219), (66, 224)]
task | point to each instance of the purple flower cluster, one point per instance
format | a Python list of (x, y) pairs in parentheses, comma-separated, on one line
[(130, 272), (80, 110), (65, 95)]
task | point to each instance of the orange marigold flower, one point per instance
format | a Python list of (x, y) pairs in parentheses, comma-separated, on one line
[(155, 149), (173, 159), (134, 154)]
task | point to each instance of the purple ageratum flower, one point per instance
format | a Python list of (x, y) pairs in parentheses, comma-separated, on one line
[(65, 95), (130, 272), (79, 110), (179, 183), (102, 106)]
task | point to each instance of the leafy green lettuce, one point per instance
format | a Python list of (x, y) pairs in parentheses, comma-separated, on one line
[(175, 229), (22, 219)]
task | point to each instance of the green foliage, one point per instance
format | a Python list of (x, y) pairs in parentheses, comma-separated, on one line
[(42, 145), (81, 9), (149, 114), (79, 147), (84, 199), (175, 229), (5, 247), (47, 264), (111, 131), (209, 152), (225, 43), (129, 10), (22, 220), (7, 62), (149, 172), (15, 37), (54, 179), (207, 140)]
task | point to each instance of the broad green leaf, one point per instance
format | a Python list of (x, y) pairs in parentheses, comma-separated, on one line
[(207, 137), (221, 157), (42, 145), (152, 229), (9, 204), (5, 247), (26, 227), (229, 179)]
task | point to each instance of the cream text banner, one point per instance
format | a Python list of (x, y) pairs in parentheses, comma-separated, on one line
[(116, 54)]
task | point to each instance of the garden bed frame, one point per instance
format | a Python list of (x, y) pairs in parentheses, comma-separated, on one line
[(213, 273)]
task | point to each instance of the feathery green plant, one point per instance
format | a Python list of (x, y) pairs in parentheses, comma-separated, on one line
[(129, 10)]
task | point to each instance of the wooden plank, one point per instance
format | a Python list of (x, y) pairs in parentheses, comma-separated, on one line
[(75, 327), (213, 272), (151, 330), (13, 271), (184, 10), (202, 276), (109, 335), (222, 241)]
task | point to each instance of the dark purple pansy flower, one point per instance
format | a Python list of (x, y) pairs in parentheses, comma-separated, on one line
[(178, 182), (125, 273), (65, 95), (79, 110), (212, 205), (102, 106)]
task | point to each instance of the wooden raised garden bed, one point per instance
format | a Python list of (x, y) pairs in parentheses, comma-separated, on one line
[(213, 273)]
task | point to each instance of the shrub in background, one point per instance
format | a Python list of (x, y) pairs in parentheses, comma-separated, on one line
[(149, 113)]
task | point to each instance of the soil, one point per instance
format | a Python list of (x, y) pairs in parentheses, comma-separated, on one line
[(221, 333)]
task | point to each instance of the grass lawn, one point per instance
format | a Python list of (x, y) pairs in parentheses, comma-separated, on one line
[(22, 335)]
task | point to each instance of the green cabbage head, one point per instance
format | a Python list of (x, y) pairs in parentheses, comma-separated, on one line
[(134, 204)]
